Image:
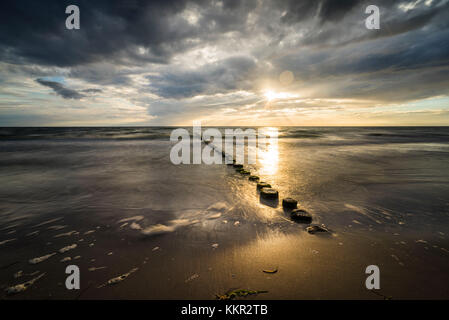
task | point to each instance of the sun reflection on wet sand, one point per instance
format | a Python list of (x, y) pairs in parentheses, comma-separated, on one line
[(268, 151)]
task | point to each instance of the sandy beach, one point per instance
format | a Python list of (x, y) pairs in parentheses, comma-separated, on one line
[(115, 202)]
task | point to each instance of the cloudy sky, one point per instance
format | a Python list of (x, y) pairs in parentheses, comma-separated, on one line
[(253, 62)]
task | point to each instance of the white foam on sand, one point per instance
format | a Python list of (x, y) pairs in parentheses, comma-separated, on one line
[(47, 222), (157, 229), (67, 248), (170, 227), (6, 241), (134, 218), (192, 277), (214, 216), (119, 278), (23, 286), (187, 218), (95, 268), (67, 234), (40, 259), (56, 227), (18, 274), (218, 206), (10, 227), (135, 226), (362, 211)]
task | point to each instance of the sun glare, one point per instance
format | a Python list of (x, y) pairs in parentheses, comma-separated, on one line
[(271, 95)]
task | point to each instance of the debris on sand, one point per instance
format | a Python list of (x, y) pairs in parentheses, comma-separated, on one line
[(192, 277), (238, 293), (23, 286), (18, 274), (397, 259), (119, 278), (316, 228), (95, 268), (40, 259), (67, 248), (215, 245), (270, 270)]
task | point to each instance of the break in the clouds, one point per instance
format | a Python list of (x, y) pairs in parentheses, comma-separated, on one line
[(224, 62)]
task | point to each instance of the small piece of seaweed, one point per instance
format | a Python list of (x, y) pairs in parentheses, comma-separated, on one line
[(270, 271), (238, 293)]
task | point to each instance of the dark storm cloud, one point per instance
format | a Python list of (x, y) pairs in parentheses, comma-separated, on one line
[(34, 31), (393, 55), (115, 31), (158, 55), (59, 89), (230, 74), (390, 27), (325, 10)]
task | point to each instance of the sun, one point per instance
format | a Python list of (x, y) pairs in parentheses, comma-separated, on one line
[(270, 95)]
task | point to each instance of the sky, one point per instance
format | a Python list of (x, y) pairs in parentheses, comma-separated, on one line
[(224, 63)]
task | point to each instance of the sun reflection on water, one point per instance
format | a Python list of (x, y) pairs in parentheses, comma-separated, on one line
[(268, 151)]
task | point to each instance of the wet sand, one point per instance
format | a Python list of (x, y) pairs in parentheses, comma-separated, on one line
[(191, 232), (186, 265)]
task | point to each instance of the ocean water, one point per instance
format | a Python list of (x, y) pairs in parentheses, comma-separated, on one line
[(105, 188)]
